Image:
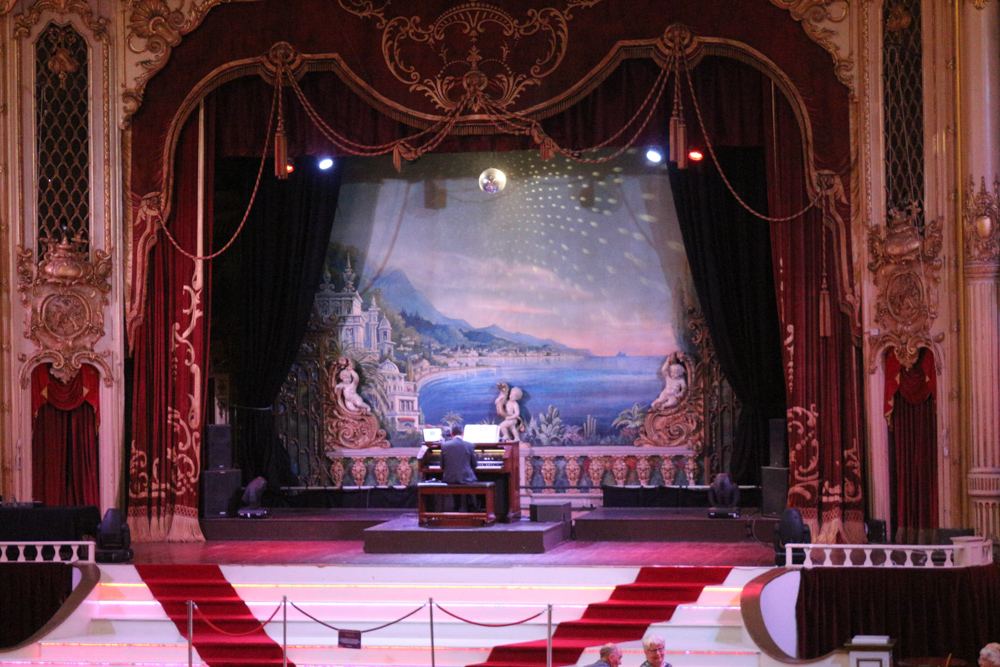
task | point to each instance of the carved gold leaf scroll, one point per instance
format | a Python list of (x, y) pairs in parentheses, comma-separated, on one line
[(980, 220), (474, 48), (906, 264), (64, 298)]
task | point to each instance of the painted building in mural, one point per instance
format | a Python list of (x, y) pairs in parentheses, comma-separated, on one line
[(355, 325), (402, 397)]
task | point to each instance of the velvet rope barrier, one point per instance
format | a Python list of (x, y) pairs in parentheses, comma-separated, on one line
[(235, 634), (489, 625), (384, 625)]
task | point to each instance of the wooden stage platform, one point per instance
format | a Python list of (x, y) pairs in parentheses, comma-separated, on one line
[(395, 531)]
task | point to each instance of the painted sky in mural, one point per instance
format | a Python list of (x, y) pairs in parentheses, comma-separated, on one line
[(585, 259)]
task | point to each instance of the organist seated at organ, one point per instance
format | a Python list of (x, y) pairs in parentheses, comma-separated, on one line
[(494, 462), (458, 464)]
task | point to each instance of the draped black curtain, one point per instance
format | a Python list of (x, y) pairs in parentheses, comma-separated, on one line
[(729, 251), (263, 293)]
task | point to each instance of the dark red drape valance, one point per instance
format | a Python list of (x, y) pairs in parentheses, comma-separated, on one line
[(46, 388), (914, 384)]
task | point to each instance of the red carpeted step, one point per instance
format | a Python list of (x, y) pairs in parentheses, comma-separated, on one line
[(218, 605), (628, 610), (626, 616), (659, 592)]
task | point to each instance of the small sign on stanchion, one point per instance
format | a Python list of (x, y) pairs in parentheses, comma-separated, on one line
[(349, 638)]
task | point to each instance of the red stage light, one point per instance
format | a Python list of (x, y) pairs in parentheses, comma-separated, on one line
[(695, 155)]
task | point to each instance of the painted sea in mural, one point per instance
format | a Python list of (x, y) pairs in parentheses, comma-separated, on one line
[(579, 387)]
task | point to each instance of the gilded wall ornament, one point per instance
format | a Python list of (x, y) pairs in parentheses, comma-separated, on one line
[(25, 22), (906, 264), (980, 220), (65, 296), (468, 57)]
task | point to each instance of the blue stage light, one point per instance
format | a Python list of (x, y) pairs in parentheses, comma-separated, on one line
[(654, 155), (325, 163)]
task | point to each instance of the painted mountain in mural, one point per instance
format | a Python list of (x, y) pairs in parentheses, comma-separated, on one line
[(403, 297)]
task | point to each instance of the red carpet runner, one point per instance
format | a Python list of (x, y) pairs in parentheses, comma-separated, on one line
[(625, 617), (174, 585)]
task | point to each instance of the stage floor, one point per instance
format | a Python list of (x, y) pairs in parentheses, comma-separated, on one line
[(271, 542)]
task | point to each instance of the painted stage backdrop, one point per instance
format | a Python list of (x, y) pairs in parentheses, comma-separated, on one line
[(571, 285)]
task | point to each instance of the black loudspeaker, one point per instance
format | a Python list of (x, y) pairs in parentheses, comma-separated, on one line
[(779, 442), (876, 532), (219, 449), (221, 492), (775, 490)]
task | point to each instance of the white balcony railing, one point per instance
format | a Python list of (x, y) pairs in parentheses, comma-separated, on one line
[(964, 552), (47, 552)]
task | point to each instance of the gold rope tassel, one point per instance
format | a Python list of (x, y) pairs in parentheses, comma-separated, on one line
[(280, 142), (825, 319), (280, 151)]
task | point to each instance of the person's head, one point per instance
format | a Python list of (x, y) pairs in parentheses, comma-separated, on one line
[(989, 656), (611, 654), (654, 647), (676, 371), (456, 430)]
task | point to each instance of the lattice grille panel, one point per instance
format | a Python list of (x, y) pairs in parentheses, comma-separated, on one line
[(62, 116), (904, 104)]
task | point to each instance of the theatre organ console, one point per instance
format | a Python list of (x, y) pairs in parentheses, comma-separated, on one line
[(499, 463)]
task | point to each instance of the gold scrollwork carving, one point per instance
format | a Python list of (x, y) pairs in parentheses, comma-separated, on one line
[(980, 220), (475, 46), (906, 264), (65, 296), (25, 22)]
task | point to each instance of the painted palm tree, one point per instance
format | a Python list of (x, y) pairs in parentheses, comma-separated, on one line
[(452, 418), (630, 419)]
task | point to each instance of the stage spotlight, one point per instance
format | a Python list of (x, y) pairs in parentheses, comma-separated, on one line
[(695, 155), (654, 155), (289, 166), (492, 181), (252, 498), (325, 163), (114, 538), (723, 498)]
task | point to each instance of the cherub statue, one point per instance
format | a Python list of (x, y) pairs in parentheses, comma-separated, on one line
[(501, 400), (512, 422), (346, 390), (675, 383)]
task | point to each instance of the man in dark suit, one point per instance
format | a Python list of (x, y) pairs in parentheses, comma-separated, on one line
[(611, 656), (458, 464)]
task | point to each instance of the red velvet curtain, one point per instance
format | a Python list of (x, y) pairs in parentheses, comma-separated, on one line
[(64, 448), (170, 353), (816, 308), (32, 593), (928, 611), (910, 395)]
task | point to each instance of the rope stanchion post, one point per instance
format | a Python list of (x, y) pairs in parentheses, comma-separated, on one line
[(284, 631), (548, 639), (432, 630), (190, 606)]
